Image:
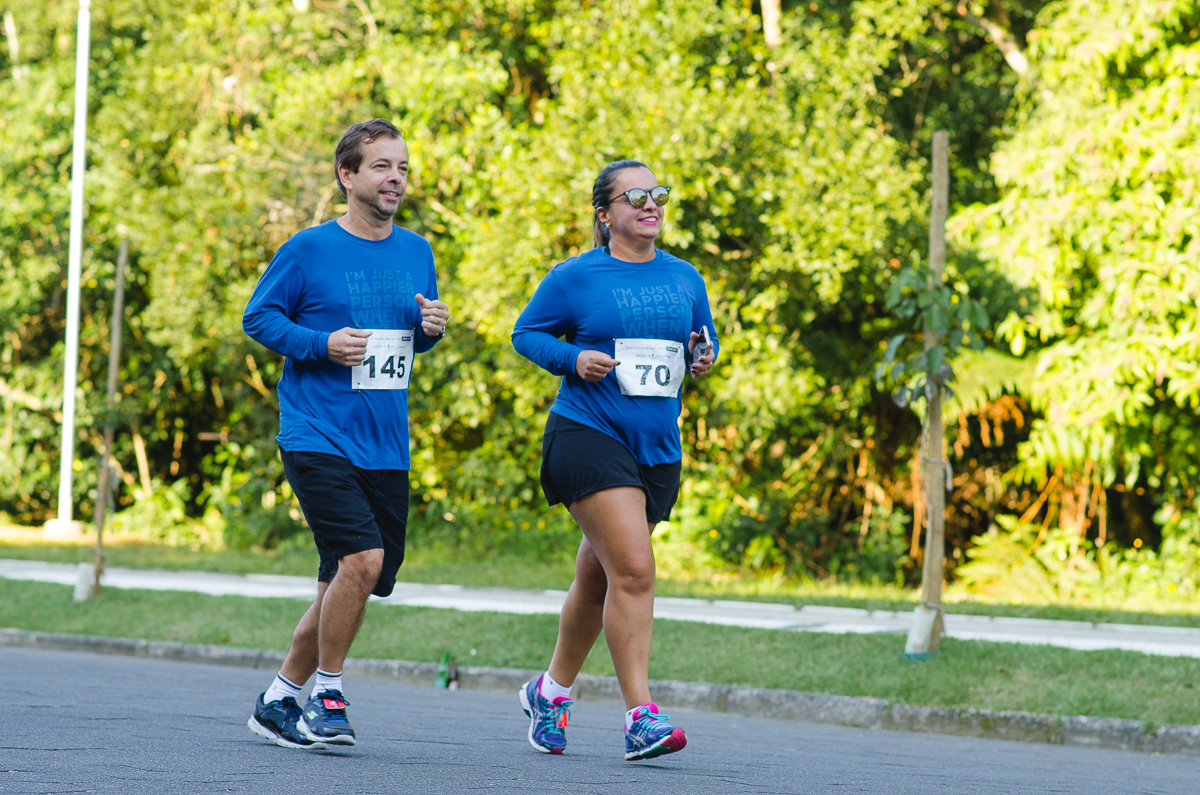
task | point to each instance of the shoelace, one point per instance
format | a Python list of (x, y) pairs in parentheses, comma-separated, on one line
[(335, 714), (646, 720), (291, 710), (557, 716)]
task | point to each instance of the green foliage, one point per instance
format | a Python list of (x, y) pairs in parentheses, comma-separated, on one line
[(935, 308), (1032, 564), (1098, 215), (1097, 222), (799, 177)]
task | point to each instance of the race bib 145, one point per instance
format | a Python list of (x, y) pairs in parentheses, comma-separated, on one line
[(388, 362), (649, 368)]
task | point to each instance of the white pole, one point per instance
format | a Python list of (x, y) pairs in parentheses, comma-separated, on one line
[(74, 266)]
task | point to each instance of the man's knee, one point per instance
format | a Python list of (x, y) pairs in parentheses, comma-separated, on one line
[(363, 567)]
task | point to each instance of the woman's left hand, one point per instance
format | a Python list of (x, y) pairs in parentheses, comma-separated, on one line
[(703, 364)]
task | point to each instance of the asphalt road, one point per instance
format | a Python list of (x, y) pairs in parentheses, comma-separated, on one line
[(74, 722)]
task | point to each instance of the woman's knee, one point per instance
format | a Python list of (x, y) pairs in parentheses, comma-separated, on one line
[(633, 576), (592, 585)]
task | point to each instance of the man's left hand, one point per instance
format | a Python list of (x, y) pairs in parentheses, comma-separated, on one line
[(434, 316)]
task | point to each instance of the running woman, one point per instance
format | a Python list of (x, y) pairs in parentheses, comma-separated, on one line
[(348, 303), (633, 320)]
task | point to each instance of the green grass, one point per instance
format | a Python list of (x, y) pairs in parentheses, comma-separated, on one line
[(449, 566), (301, 560), (1043, 679)]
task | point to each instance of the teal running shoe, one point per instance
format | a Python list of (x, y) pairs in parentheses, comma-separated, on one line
[(651, 735), (547, 719)]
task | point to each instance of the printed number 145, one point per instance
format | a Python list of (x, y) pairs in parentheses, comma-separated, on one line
[(393, 366)]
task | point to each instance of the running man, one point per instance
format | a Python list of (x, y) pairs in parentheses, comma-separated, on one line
[(348, 303), (632, 317)]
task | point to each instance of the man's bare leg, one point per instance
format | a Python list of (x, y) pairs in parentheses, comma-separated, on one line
[(302, 657), (343, 605)]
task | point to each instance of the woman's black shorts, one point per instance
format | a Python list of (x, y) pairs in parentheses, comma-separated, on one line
[(351, 510), (578, 460)]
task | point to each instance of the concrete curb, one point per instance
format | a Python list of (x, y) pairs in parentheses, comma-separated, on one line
[(870, 713)]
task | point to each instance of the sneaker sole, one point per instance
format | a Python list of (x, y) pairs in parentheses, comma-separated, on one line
[(529, 711), (340, 739), (675, 741), (278, 739)]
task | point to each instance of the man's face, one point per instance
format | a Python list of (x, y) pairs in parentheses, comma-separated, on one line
[(378, 187)]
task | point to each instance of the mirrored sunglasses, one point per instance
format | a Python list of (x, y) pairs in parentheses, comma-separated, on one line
[(637, 196)]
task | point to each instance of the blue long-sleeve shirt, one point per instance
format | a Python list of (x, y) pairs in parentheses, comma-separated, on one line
[(590, 301), (322, 280)]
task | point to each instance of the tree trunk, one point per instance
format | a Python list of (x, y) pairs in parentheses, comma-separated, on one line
[(770, 19)]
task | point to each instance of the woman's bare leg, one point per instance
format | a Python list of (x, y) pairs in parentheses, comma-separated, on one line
[(582, 616), (617, 539)]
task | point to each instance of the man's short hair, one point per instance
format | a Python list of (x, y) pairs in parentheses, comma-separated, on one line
[(349, 152)]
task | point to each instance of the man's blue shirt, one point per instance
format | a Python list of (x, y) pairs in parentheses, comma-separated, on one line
[(322, 280), (593, 299)]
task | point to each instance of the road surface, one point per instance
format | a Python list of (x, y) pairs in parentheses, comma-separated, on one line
[(77, 722)]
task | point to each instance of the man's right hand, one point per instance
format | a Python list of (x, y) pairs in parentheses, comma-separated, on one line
[(348, 346), (594, 365)]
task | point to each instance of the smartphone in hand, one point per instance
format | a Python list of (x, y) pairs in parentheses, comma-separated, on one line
[(703, 345)]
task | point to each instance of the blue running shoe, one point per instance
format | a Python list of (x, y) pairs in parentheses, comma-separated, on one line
[(547, 720), (323, 719), (651, 735), (277, 722)]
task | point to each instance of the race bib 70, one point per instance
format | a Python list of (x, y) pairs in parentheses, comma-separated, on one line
[(388, 361), (649, 368)]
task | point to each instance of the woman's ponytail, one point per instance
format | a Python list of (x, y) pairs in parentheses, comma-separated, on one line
[(600, 235)]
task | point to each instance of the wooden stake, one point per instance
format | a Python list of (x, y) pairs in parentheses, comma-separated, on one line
[(927, 624), (114, 365)]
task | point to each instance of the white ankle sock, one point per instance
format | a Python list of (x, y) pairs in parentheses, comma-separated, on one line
[(551, 690), (282, 687), (328, 681)]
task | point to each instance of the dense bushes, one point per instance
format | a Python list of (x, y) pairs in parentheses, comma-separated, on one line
[(798, 192)]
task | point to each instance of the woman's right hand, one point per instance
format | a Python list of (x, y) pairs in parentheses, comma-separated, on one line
[(593, 365)]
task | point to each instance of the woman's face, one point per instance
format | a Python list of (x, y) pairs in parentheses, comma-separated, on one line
[(624, 220)]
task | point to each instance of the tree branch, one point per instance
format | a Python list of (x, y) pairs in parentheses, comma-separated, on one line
[(770, 22), (14, 395), (1004, 41)]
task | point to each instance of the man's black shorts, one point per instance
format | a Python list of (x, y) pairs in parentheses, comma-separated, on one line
[(578, 460), (351, 510)]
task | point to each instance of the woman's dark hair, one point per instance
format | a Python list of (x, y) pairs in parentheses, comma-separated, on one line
[(601, 197), (349, 152)]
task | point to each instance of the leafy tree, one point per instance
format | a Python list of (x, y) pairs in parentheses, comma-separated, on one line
[(799, 179), (1097, 216)]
